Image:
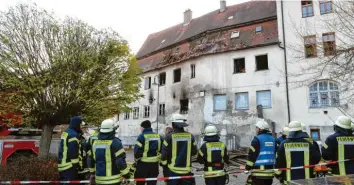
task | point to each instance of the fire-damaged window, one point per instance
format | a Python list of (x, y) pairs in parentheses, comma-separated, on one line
[(307, 8), (261, 62), (220, 102), (192, 70), (136, 113), (324, 94), (239, 65), (146, 111), (184, 106), (177, 75), (310, 46), (162, 109), (147, 83), (162, 79), (329, 44)]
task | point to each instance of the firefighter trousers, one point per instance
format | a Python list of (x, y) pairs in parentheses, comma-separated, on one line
[(180, 181), (215, 180), (146, 170), (69, 175)]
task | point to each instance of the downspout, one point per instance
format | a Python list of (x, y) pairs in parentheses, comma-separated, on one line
[(285, 62)]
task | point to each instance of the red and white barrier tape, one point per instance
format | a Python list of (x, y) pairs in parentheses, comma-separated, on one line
[(172, 178)]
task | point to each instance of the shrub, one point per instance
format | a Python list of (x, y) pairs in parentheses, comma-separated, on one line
[(30, 168)]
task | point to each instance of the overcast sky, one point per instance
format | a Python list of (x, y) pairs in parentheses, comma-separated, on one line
[(132, 19)]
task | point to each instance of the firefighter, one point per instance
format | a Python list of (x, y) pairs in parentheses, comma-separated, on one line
[(168, 130), (340, 146), (177, 152), (308, 138), (89, 144), (147, 153), (108, 156), (296, 151), (68, 156), (283, 135), (261, 155), (213, 154)]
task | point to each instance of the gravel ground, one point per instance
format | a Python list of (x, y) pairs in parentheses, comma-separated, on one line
[(234, 179)]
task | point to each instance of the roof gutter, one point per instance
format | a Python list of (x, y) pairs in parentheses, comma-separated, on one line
[(285, 62)]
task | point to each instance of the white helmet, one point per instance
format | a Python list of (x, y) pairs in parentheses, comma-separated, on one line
[(295, 126), (108, 125), (303, 126), (286, 131), (344, 122), (179, 120), (210, 130), (261, 124)]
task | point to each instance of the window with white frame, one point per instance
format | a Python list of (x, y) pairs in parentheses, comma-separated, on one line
[(127, 115), (242, 101), (324, 94), (136, 113), (146, 111), (220, 102), (264, 98)]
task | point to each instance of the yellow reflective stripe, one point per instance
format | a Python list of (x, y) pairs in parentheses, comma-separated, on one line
[(325, 146), (92, 170), (288, 165), (214, 174), (73, 139), (125, 171), (148, 138), (146, 148), (189, 153), (164, 162), (277, 172), (262, 174), (150, 159), (209, 160), (89, 153), (139, 144), (64, 168), (253, 150), (201, 153), (249, 163), (113, 179), (75, 160), (108, 159), (307, 163), (174, 152), (341, 165), (64, 136), (119, 152), (165, 143)]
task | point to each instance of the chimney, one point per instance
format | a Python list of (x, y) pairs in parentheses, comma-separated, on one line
[(187, 17), (222, 5)]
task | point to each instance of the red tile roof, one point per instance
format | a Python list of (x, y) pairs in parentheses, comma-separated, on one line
[(242, 14)]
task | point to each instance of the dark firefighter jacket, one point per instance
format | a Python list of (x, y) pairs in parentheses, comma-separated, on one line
[(68, 156), (213, 154), (177, 151), (280, 139), (340, 146), (308, 138), (108, 159), (266, 154), (89, 144), (148, 146), (296, 151)]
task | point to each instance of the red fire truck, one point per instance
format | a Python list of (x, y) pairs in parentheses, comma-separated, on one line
[(22, 141)]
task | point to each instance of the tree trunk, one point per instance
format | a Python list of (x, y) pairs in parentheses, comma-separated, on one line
[(46, 139)]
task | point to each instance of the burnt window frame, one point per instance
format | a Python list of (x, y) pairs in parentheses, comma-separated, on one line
[(184, 111), (307, 42), (257, 62), (174, 75), (160, 79), (235, 67), (192, 71)]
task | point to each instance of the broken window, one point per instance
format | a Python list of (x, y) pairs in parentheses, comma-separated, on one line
[(326, 7), (258, 29), (239, 65), (264, 98), (136, 113), (192, 70), (329, 44), (310, 46), (241, 101), (261, 62), (307, 8), (220, 102), (184, 106), (315, 134), (162, 109), (146, 111), (324, 94), (177, 75), (162, 78), (126, 115), (147, 83)]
